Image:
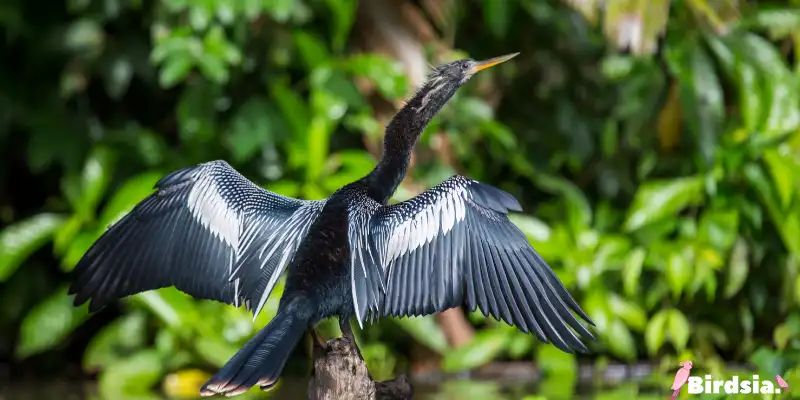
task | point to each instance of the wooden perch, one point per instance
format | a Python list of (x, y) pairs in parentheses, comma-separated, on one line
[(341, 374)]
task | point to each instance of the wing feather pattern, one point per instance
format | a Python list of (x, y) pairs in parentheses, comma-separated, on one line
[(454, 244), (206, 230)]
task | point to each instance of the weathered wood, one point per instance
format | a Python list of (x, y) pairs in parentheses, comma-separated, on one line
[(341, 374)]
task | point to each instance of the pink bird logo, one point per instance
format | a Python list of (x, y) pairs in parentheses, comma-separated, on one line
[(782, 383), (680, 378)]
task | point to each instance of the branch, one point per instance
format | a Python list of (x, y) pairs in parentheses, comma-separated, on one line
[(341, 374)]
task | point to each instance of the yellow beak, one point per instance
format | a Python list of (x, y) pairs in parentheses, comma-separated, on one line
[(481, 65)]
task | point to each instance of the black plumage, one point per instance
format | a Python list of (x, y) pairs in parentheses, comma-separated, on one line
[(213, 234)]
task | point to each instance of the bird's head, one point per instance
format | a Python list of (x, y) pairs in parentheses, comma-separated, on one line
[(686, 364), (444, 80), (458, 72)]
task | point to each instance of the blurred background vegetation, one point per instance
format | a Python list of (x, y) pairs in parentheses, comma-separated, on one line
[(652, 143)]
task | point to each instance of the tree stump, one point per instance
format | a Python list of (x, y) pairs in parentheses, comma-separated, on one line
[(341, 374)]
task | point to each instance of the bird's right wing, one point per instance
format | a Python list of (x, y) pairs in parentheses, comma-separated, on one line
[(454, 244), (208, 231)]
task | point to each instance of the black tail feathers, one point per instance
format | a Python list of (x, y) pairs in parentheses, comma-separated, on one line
[(261, 360)]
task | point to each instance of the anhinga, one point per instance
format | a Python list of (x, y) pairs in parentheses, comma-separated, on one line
[(213, 234)]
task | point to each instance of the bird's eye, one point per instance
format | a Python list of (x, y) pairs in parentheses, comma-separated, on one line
[(464, 65)]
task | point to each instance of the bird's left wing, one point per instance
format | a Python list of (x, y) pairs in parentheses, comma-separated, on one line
[(454, 243), (208, 231)]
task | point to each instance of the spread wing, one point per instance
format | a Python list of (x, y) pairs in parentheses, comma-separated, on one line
[(206, 230), (454, 244)]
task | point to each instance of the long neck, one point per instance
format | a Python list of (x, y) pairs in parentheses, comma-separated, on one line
[(401, 136)]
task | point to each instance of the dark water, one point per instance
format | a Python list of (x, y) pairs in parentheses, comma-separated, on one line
[(510, 381), (448, 390)]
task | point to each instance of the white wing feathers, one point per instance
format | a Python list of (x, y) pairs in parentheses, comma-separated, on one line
[(207, 230), (450, 245)]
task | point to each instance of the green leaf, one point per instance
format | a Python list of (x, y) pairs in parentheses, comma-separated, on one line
[(738, 268), (484, 347), (130, 193), (797, 289), (553, 361), (790, 231), (631, 313), (679, 329), (701, 93), (579, 210), (620, 341), (216, 45), (20, 240), (84, 35), (178, 43), (318, 146), (213, 68), (656, 331), (792, 376), (632, 270), (788, 224), (783, 112), (747, 80), (66, 233), (49, 322), (336, 83), (174, 70), (344, 13), (280, 10), (355, 162), (117, 77), (520, 344), (780, 22), (767, 360), (426, 331), (96, 175), (533, 228), (783, 177), (286, 188), (151, 146), (560, 372), (678, 273), (251, 129), (297, 115), (781, 336), (719, 228), (385, 73), (79, 246), (171, 306), (658, 200), (132, 377), (312, 49), (115, 341)]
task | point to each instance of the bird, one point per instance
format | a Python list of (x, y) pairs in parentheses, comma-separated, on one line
[(680, 378), (782, 383), (213, 234)]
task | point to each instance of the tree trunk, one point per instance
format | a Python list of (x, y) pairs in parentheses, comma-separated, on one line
[(341, 374)]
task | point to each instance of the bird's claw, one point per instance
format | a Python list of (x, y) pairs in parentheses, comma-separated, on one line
[(319, 341)]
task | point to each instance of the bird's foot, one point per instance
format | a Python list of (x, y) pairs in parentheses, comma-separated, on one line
[(318, 342), (347, 333), (318, 339)]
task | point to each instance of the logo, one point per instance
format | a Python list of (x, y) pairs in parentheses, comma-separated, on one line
[(735, 385)]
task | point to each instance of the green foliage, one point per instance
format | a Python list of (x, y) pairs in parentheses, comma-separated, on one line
[(665, 185), (49, 323), (21, 240)]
